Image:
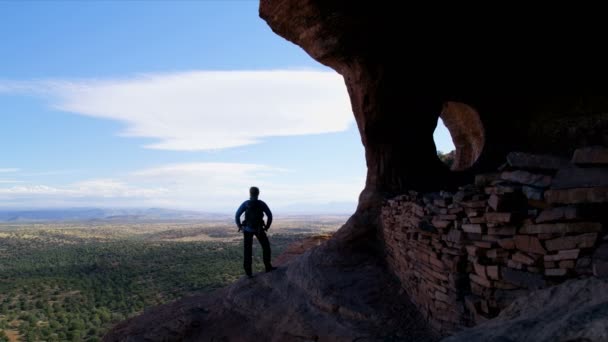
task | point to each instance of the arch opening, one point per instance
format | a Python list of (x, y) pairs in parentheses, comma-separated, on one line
[(464, 126)]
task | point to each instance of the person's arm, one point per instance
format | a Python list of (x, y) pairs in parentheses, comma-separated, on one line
[(237, 217), (268, 215)]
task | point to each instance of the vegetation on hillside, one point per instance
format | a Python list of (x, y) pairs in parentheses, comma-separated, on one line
[(73, 284)]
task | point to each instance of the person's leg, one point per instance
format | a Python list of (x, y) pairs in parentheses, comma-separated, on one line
[(266, 254), (247, 252)]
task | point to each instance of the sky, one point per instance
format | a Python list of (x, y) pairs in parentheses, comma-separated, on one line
[(179, 105)]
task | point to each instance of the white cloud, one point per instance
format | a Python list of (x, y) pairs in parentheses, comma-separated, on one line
[(7, 170), (206, 110), (198, 186)]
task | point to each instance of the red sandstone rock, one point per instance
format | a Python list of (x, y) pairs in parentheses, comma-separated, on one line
[(496, 217), (563, 255), (484, 179), (493, 272), (592, 155), (529, 244), (550, 228), (572, 242), (505, 231), (530, 161), (480, 281), (527, 178), (578, 177), (579, 195), (522, 258), (508, 243), (555, 272), (472, 228), (557, 214)]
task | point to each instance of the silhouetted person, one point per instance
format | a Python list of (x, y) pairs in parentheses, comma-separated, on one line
[(254, 210)]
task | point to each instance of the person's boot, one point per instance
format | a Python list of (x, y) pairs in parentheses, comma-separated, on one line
[(270, 269)]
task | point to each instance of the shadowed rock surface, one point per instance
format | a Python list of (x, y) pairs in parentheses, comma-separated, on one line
[(574, 311), (330, 293)]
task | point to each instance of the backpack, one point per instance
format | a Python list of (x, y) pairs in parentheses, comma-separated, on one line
[(254, 215)]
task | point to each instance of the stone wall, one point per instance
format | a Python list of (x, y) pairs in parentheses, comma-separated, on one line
[(463, 257)]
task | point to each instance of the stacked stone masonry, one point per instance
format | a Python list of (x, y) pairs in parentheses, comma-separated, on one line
[(463, 257)]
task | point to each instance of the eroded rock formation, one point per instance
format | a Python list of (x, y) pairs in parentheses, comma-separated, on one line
[(342, 290)]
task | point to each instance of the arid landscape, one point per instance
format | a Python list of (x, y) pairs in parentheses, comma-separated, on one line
[(71, 281)]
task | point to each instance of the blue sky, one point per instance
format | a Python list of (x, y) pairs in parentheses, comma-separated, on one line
[(171, 104)]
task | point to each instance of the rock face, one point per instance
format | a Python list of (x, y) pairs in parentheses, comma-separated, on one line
[(574, 311), (330, 293), (343, 289)]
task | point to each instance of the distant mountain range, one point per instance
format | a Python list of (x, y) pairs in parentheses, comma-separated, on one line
[(97, 214), (341, 208), (161, 214)]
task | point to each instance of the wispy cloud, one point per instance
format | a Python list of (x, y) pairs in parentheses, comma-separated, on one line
[(200, 186), (206, 110), (7, 170)]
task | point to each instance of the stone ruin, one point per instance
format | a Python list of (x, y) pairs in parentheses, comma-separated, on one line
[(464, 256)]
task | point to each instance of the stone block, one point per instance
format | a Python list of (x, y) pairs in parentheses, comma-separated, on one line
[(474, 204), (454, 236), (529, 244), (557, 214), (591, 155), (507, 202), (477, 220), (508, 243), (533, 193), (496, 253), (493, 272), (442, 297), (514, 264), (472, 228), (567, 264), (484, 179), (572, 242), (577, 195), (455, 210), (523, 279), (442, 202), (480, 270), (440, 223), (483, 244), (522, 160), (578, 177), (555, 272), (490, 238), (497, 217), (474, 212), (561, 228), (505, 231), (480, 281), (527, 178), (523, 258), (570, 254)]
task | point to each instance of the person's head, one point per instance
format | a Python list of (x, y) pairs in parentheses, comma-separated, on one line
[(254, 192)]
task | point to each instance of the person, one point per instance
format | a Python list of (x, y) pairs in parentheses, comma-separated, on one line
[(254, 224)]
